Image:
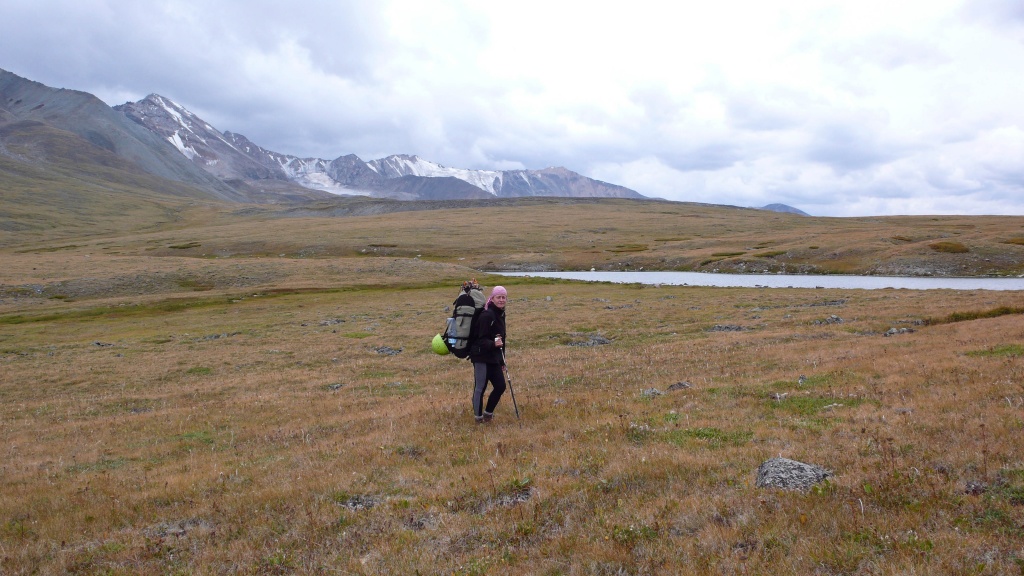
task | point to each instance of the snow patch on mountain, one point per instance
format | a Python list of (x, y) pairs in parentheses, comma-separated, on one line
[(403, 165), (312, 173), (173, 109), (188, 151), (321, 181)]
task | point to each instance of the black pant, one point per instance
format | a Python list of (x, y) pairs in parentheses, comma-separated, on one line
[(482, 372)]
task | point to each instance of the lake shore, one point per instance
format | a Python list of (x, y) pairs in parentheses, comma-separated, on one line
[(847, 281)]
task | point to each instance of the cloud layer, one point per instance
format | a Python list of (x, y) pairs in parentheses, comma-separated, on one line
[(834, 107)]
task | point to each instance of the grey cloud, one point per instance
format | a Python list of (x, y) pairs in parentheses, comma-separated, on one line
[(332, 78), (203, 55), (710, 156), (848, 147)]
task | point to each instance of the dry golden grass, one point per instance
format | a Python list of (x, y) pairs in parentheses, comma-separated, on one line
[(551, 233), (219, 397), (258, 429)]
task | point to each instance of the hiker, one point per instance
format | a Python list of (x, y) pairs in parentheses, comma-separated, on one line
[(486, 353)]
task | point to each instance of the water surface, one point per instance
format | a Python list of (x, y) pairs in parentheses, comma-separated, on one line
[(786, 280)]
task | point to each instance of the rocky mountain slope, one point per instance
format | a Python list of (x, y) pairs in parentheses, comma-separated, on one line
[(233, 157), (41, 125)]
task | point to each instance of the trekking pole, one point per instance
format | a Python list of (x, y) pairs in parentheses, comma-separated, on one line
[(513, 392)]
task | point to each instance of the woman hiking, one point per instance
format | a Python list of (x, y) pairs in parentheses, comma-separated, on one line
[(486, 353)]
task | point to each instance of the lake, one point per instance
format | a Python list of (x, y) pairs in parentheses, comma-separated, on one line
[(785, 280)]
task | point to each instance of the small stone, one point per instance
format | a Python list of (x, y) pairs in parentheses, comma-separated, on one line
[(975, 488), (832, 319), (789, 474), (726, 328)]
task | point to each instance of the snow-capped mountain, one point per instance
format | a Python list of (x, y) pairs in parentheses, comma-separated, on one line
[(233, 157)]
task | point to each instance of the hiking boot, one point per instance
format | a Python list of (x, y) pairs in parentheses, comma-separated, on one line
[(479, 419), (488, 416)]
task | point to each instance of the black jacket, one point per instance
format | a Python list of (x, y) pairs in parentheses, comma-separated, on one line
[(490, 323)]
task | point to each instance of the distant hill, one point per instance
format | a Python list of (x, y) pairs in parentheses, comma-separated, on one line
[(784, 208)]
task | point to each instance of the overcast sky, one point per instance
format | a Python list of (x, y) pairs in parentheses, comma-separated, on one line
[(836, 107)]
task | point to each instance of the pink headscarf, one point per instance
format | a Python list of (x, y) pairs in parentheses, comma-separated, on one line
[(494, 292)]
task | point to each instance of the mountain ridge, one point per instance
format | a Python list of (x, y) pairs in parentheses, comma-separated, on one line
[(89, 118), (161, 138), (229, 155)]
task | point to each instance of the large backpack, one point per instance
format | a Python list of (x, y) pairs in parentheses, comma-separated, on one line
[(459, 330)]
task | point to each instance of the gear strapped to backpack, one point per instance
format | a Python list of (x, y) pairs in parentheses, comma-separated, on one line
[(459, 330)]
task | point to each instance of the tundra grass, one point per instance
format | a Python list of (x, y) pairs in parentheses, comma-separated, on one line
[(559, 233), (310, 429)]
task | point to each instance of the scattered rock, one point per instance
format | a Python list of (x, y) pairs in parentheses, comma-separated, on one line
[(680, 386), (832, 319), (335, 386), (651, 393), (331, 322), (387, 351), (975, 488), (516, 497), (641, 428), (789, 474), (219, 336), (829, 303), (180, 529), (588, 340), (801, 380), (360, 502), (905, 411), (428, 522), (726, 328), (895, 331), (102, 344)]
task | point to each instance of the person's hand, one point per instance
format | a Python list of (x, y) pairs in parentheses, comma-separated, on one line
[(497, 342)]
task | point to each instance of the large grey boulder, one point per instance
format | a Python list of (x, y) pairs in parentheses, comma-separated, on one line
[(789, 474)]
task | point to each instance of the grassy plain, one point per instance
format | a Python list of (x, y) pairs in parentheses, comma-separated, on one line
[(257, 395), (546, 233)]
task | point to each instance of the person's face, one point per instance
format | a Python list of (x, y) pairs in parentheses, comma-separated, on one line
[(499, 300)]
